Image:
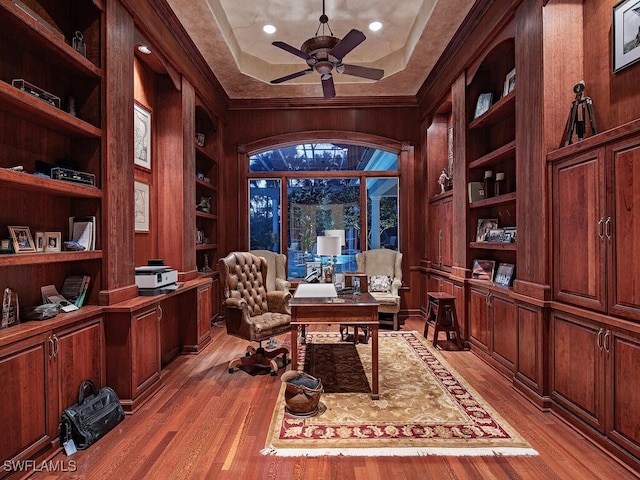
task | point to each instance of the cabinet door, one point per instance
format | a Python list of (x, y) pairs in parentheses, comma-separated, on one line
[(80, 357), (433, 234), (505, 331), (204, 314), (446, 231), (27, 401), (577, 367), (623, 390), (579, 245), (145, 332), (479, 318), (622, 229)]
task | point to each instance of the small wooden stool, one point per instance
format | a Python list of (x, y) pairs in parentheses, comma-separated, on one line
[(442, 312)]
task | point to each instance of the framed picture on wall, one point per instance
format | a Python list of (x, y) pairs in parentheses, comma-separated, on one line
[(626, 34), (141, 136), (141, 206)]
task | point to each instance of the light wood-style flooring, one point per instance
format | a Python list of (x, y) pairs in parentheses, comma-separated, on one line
[(207, 424)]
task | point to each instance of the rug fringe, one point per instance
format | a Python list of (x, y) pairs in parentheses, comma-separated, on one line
[(399, 452)]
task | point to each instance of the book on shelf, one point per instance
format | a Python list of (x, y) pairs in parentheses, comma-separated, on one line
[(476, 191), (50, 294), (83, 231), (74, 289)]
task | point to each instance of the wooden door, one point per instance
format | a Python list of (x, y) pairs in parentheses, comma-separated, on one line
[(145, 355), (27, 400), (479, 318), (622, 351), (505, 331), (622, 230), (577, 367), (80, 357), (579, 243)]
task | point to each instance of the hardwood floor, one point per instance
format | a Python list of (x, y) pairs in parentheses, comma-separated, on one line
[(208, 424)]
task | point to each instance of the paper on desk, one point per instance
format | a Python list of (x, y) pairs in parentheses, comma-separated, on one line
[(315, 290)]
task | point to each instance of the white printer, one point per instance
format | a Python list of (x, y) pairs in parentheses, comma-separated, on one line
[(156, 279)]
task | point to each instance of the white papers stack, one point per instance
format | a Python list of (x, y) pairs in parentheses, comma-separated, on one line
[(315, 290), (83, 231)]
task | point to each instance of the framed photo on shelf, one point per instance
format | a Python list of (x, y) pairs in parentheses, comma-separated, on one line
[(509, 83), (22, 240), (626, 34), (52, 241), (39, 241), (141, 136), (509, 235), (484, 226), (504, 274), (483, 269), (141, 206), (495, 235), (482, 105)]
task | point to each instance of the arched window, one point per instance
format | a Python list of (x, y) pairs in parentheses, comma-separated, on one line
[(301, 191)]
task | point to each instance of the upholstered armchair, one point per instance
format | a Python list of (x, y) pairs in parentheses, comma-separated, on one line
[(276, 271), (377, 264), (251, 311)]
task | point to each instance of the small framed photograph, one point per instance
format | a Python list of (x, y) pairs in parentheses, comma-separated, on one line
[(509, 83), (482, 105), (495, 235), (39, 241), (504, 274), (626, 34), (6, 245), (485, 225), (22, 240), (141, 136), (483, 269), (141, 206), (52, 242), (509, 235)]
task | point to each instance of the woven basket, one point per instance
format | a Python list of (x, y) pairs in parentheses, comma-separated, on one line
[(302, 393)]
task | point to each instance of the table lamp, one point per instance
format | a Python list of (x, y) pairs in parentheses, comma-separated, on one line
[(328, 247)]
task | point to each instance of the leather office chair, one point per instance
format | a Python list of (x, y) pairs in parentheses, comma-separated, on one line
[(383, 262), (251, 311), (276, 271)]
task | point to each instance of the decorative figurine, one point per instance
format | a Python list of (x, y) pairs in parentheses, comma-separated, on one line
[(581, 108), (443, 180), (77, 42), (206, 268)]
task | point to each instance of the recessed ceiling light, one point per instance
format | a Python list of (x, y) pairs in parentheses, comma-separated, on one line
[(144, 49), (375, 26), (269, 29)]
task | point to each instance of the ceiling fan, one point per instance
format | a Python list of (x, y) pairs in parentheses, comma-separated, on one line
[(324, 54)]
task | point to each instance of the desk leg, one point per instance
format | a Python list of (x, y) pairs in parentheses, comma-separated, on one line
[(294, 347), (374, 362)]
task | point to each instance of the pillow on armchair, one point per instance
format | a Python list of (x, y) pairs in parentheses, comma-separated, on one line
[(380, 283)]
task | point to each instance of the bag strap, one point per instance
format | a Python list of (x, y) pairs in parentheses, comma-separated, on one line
[(83, 386)]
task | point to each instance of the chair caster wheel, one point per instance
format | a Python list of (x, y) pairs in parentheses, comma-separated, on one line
[(231, 370), (273, 373)]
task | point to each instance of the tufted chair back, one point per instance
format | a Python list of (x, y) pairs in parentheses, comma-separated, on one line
[(246, 279), (251, 311), (277, 271)]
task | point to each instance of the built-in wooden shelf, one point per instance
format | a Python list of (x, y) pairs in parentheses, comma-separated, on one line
[(207, 246), (206, 185), (495, 201), (210, 216), (503, 108), (28, 182), (39, 258), (493, 245), (495, 157)]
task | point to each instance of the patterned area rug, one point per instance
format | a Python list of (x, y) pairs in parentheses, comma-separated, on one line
[(425, 407)]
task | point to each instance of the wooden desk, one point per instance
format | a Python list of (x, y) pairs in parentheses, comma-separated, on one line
[(361, 310)]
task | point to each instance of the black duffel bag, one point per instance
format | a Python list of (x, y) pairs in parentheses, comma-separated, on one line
[(92, 417)]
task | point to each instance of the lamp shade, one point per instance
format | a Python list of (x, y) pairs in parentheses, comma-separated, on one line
[(328, 246), (336, 233)]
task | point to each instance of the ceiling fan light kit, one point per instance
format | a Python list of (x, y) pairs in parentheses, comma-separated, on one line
[(324, 54)]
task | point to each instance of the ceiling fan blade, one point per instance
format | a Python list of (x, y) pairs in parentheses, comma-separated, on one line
[(350, 41), (291, 76), (328, 87), (294, 50), (358, 71)]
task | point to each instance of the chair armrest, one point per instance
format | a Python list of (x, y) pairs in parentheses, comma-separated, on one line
[(395, 285), (238, 303), (282, 284), (278, 301)]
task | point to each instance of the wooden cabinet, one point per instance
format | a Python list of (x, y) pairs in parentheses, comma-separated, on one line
[(596, 230), (440, 230), (38, 132), (134, 353), (593, 367), (493, 328), (41, 375)]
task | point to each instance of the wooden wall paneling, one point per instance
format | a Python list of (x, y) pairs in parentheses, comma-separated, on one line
[(459, 244), (117, 167), (532, 366)]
